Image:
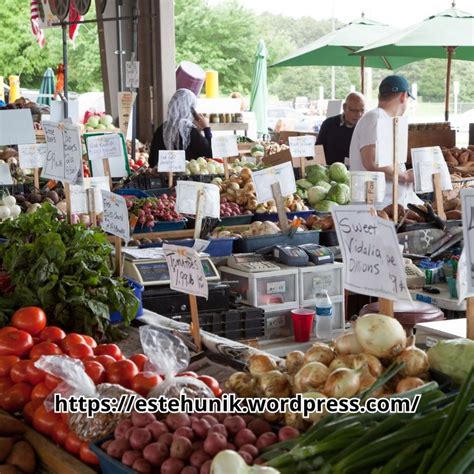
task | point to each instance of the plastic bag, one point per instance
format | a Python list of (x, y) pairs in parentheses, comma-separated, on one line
[(77, 383), (168, 356)]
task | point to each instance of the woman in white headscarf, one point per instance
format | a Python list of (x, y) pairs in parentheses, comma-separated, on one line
[(184, 129)]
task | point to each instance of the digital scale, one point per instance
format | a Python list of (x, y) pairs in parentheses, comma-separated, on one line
[(149, 268)]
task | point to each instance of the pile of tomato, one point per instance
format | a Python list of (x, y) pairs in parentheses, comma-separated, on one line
[(24, 387)]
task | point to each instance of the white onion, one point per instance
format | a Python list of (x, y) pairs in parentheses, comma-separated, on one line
[(316, 415), (342, 383), (409, 383), (347, 344), (319, 352), (380, 335), (310, 377), (342, 362), (366, 378), (374, 365), (274, 384), (416, 362), (294, 361), (260, 363)]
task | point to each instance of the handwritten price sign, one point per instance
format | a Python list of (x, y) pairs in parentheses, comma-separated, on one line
[(115, 217), (302, 146), (186, 272), (173, 161)]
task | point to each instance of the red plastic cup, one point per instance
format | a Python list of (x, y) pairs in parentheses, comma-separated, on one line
[(302, 323)]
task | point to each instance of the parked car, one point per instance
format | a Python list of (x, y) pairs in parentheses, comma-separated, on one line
[(286, 118)]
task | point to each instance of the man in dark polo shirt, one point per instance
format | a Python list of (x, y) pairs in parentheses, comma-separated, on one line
[(336, 132)]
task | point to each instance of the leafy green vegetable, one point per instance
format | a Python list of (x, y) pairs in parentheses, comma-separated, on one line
[(316, 194), (304, 183), (339, 173), (316, 173), (325, 206), (340, 193), (65, 269)]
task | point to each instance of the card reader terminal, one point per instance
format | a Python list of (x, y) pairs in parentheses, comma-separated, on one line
[(318, 254), (290, 256)]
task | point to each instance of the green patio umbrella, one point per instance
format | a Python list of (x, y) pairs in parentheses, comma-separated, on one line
[(449, 34), (46, 91), (336, 48), (258, 93)]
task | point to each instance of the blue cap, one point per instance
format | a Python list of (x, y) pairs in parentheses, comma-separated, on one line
[(395, 84)]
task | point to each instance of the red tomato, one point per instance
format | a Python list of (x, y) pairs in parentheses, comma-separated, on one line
[(108, 349), (70, 340), (45, 348), (80, 351), (7, 329), (90, 341), (18, 372), (189, 373), (5, 384), (95, 371), (40, 392), (122, 372), (88, 456), (16, 397), (139, 360), (105, 360), (65, 417), (72, 443), (212, 383), (52, 334), (30, 319), (6, 364), (143, 382), (44, 420), (51, 381), (17, 343), (33, 374), (30, 408), (60, 432)]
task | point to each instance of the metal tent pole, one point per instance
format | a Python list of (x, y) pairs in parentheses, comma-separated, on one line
[(65, 64)]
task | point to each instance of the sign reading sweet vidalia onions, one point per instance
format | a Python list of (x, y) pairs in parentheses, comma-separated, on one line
[(373, 263)]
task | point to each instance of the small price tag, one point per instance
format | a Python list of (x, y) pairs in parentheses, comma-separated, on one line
[(302, 147), (115, 216), (224, 146), (187, 197), (79, 201), (426, 162), (173, 161), (32, 156), (264, 179), (132, 74), (110, 146)]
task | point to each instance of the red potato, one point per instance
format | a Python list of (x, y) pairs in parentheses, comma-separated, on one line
[(142, 419), (139, 438), (193, 418), (197, 445), (220, 417), (265, 440), (248, 419), (157, 428), (287, 432), (218, 429), (212, 420), (206, 468), (129, 457), (198, 458), (181, 448), (247, 457), (184, 431), (190, 470), (177, 420), (166, 438), (231, 446), (141, 465), (215, 443), (259, 426), (117, 447), (243, 437), (172, 466), (122, 428), (234, 424), (249, 448), (201, 427), (156, 453), (105, 445)]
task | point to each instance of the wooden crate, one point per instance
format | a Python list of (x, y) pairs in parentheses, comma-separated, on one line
[(422, 138)]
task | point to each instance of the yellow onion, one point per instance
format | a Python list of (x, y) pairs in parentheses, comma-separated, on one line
[(295, 420), (315, 416), (272, 417), (409, 383), (366, 378), (347, 344), (416, 362), (342, 362), (380, 335), (310, 377), (294, 361), (319, 352), (274, 384), (342, 383), (242, 384), (374, 365), (260, 363)]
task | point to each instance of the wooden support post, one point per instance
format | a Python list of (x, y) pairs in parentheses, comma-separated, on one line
[(67, 193), (226, 168), (395, 170), (91, 206), (170, 179), (438, 194), (470, 318), (107, 171), (36, 178), (118, 256), (386, 307), (280, 205), (303, 167)]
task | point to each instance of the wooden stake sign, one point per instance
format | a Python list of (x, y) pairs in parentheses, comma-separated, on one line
[(301, 148), (225, 147), (280, 205), (438, 194), (91, 206), (395, 169), (33, 157), (171, 161)]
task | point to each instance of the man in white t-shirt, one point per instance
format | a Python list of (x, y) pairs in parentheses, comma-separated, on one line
[(394, 93)]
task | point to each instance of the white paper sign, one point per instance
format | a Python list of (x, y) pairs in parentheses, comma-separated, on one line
[(426, 162), (115, 216), (171, 161), (373, 263), (79, 198), (64, 156), (108, 146), (16, 127), (384, 144), (224, 146), (302, 146), (359, 180), (187, 198), (132, 74), (264, 179), (5, 174), (186, 272), (32, 156), (467, 202)]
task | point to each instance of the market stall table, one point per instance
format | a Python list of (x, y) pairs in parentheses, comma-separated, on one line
[(428, 334), (443, 299)]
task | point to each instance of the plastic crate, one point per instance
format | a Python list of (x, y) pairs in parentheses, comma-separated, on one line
[(321, 277), (252, 244), (237, 220), (138, 193), (109, 465), (161, 227), (216, 248), (328, 238), (271, 291), (273, 216)]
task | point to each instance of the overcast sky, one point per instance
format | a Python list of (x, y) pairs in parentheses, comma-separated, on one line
[(396, 12)]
